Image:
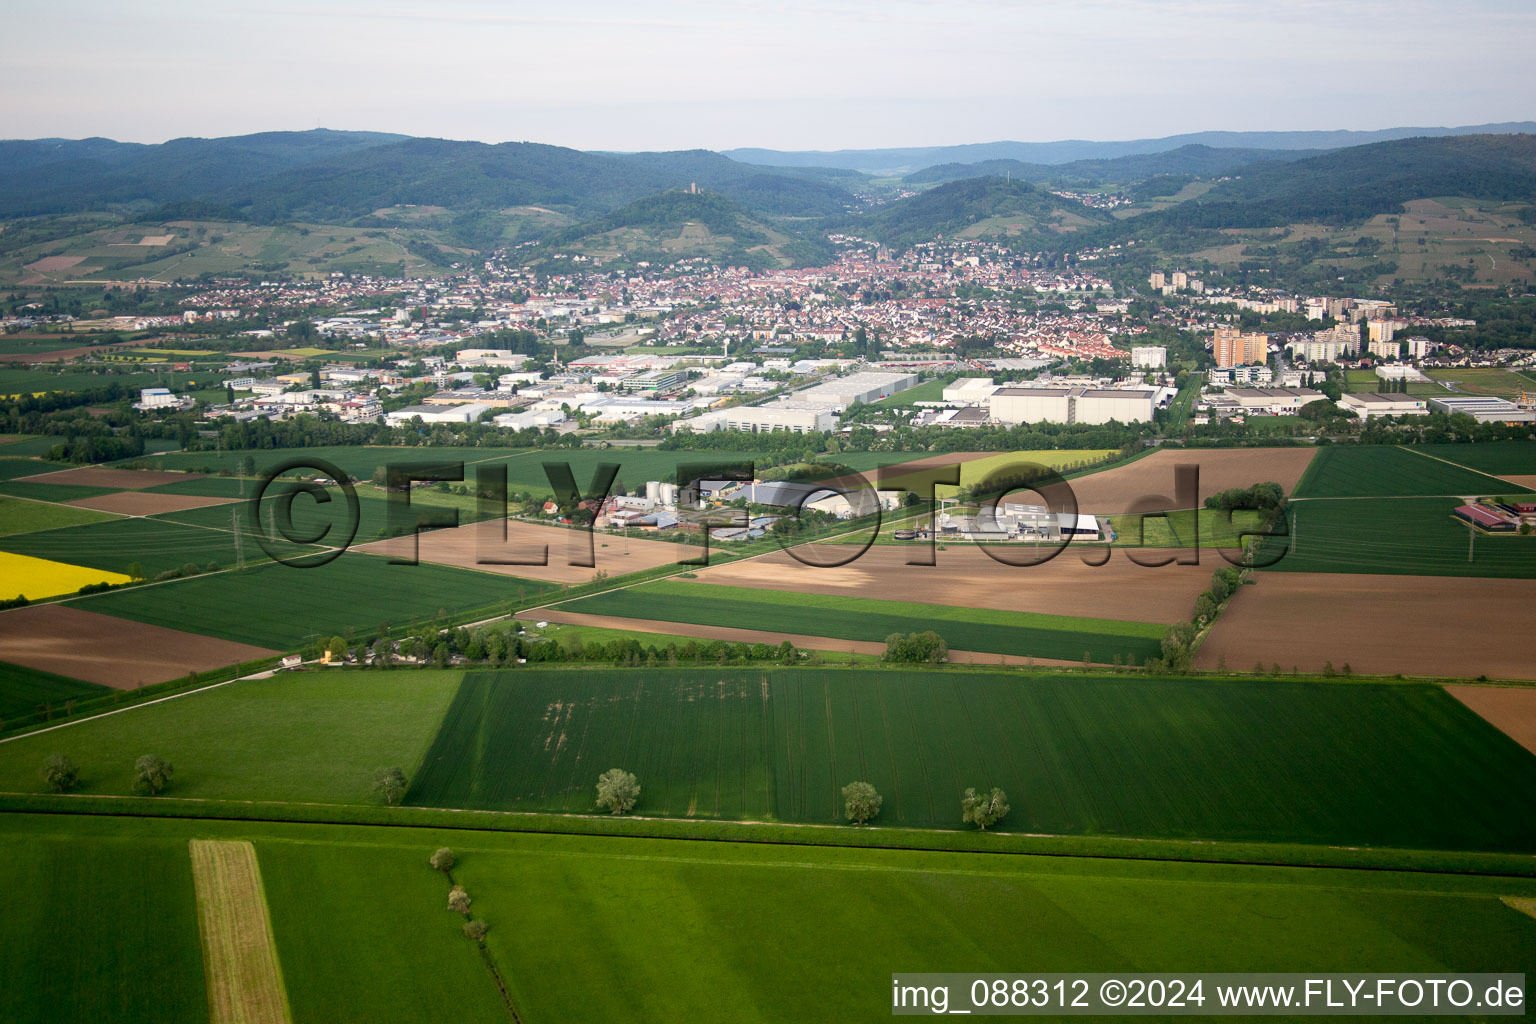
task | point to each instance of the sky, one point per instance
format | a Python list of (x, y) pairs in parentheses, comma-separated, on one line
[(797, 74)]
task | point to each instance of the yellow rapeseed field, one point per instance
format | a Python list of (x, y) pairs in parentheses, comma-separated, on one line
[(39, 577)]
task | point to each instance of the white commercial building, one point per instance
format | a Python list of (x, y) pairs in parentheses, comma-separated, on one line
[(1071, 405), (970, 391), (1483, 409), (436, 414), (756, 420), (156, 398), (868, 386), (1149, 357), (1275, 401), (1373, 403)]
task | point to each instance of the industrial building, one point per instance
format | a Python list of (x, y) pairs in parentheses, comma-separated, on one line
[(654, 380), (1373, 403), (757, 419), (1274, 401), (1484, 409), (1149, 357), (970, 391), (867, 386), (1072, 405)]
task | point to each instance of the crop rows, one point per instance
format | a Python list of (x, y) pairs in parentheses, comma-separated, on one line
[(1125, 756)]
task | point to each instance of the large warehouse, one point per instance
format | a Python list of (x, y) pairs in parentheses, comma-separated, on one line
[(1483, 408), (1071, 405), (841, 392)]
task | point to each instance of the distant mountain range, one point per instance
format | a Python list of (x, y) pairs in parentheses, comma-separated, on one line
[(330, 176), (907, 160), (474, 197)]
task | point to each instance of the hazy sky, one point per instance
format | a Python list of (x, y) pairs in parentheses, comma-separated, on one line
[(802, 74)]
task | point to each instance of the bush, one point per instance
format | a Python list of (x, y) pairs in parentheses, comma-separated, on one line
[(442, 859)]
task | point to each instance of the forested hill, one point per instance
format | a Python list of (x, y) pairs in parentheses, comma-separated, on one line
[(1357, 183), (977, 205), (680, 223), (1198, 160), (339, 176), (61, 175)]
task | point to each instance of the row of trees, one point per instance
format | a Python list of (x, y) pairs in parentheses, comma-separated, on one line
[(861, 803), (151, 774)]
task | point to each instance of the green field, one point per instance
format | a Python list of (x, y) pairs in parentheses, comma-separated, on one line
[(31, 382), (23, 344), (1485, 380), (20, 516), (52, 492), (844, 618), (1398, 536), (11, 468), (156, 544), (974, 472), (98, 928), (210, 487), (279, 606), (1495, 457), (1383, 471), (23, 690), (603, 930), (305, 736), (1181, 528), (927, 391), (385, 900), (525, 466), (33, 446), (1126, 756)]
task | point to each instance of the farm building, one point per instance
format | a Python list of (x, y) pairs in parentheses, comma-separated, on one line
[(1487, 519)]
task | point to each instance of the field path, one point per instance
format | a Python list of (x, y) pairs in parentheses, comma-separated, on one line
[(245, 984)]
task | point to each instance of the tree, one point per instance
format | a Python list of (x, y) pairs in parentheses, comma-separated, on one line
[(135, 572), (617, 791), (390, 784), (338, 648), (458, 900), (476, 930), (982, 811), (60, 773), (860, 802), (151, 774), (442, 859)]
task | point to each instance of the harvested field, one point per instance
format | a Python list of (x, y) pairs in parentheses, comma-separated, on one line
[(1114, 490), (753, 636), (1509, 709), (970, 578), (245, 984), (100, 476), (54, 264), (1381, 625), (108, 650), (138, 503), (1523, 481), (464, 545)]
